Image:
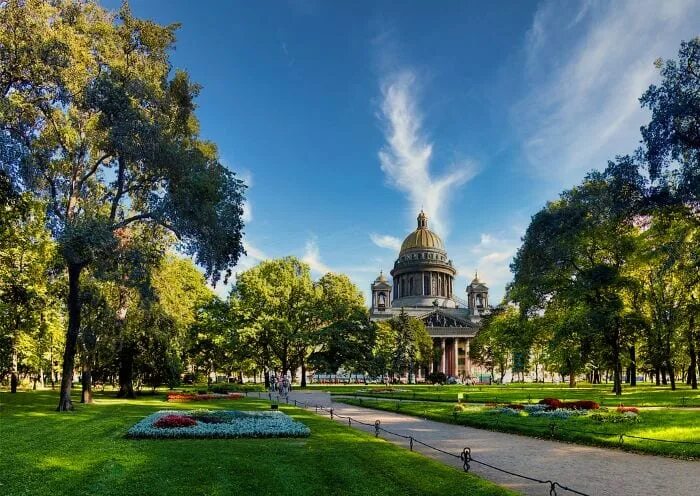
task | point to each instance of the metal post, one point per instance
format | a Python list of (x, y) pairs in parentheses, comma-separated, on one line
[(376, 427)]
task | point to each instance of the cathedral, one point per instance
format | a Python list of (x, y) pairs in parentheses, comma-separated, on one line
[(422, 285)]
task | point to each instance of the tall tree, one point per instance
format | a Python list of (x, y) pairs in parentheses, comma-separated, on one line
[(109, 138)]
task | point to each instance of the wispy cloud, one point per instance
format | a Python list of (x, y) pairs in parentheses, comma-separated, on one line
[(385, 241), (406, 157), (586, 78), (312, 256)]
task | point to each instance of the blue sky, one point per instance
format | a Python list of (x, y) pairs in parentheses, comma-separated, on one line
[(345, 117)]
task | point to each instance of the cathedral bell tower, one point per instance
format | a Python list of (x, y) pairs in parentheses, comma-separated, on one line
[(381, 294), (478, 297)]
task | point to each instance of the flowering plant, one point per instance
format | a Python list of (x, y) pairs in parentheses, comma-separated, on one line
[(561, 413), (218, 424), (626, 409), (170, 421)]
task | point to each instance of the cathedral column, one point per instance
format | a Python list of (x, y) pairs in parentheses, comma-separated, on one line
[(443, 361), (467, 360), (456, 357)]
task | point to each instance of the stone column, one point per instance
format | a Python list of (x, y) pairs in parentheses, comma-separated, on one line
[(467, 360), (443, 361), (456, 357)]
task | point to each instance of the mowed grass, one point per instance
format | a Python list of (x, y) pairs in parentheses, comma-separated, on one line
[(673, 424), (641, 395), (86, 453)]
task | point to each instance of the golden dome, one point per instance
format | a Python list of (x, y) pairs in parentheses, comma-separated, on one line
[(422, 237)]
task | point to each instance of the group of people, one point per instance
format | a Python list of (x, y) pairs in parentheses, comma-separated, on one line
[(281, 384)]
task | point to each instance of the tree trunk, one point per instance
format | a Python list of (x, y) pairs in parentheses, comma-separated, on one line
[(692, 353), (617, 371), (86, 394), (14, 379), (127, 350), (303, 372), (633, 366), (64, 402), (126, 371)]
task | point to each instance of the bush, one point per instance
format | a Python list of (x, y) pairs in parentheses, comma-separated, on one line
[(459, 408), (436, 378), (515, 406), (552, 403), (173, 420), (203, 397), (235, 388), (581, 405)]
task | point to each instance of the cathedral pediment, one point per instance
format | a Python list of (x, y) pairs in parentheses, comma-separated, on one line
[(438, 318)]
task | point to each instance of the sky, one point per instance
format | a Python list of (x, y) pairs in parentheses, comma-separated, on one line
[(346, 118)]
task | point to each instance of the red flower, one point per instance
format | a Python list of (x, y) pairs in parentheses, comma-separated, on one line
[(625, 409), (170, 421)]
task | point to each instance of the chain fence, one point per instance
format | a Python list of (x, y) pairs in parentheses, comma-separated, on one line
[(553, 428), (465, 456)]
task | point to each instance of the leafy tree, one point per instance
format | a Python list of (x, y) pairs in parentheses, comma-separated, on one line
[(109, 138), (576, 251)]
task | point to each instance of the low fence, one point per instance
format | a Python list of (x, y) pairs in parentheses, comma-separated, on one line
[(553, 427)]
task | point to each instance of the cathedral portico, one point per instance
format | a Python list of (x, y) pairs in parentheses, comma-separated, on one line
[(423, 287)]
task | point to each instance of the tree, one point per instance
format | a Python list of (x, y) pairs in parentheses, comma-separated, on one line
[(576, 251), (109, 138), (672, 137)]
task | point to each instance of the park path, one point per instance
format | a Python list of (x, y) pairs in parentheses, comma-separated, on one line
[(590, 470)]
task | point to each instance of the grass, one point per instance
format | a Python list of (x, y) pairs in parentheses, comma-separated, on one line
[(662, 423), (642, 395), (86, 453)]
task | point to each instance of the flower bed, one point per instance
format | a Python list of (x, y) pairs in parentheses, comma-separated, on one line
[(169, 424), (183, 397), (626, 409)]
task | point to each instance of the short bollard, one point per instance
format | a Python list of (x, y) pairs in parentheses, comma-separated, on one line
[(295, 402), (410, 443), (331, 414), (349, 422), (376, 427)]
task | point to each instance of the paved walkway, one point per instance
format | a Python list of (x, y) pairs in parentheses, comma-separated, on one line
[(590, 470)]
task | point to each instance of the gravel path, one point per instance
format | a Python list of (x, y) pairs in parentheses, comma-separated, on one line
[(590, 470)]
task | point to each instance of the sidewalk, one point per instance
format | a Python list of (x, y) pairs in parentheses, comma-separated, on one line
[(590, 470)]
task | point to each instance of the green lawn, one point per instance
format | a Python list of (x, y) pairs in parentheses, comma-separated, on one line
[(662, 423), (85, 453), (642, 395)]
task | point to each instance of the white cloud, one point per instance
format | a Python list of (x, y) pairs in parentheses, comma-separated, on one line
[(491, 257), (386, 241), (405, 159), (312, 256), (587, 76), (247, 216)]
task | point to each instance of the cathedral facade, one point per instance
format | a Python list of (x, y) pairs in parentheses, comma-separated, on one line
[(422, 285)]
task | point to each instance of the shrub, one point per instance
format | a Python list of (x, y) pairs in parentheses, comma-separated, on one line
[(626, 409), (581, 405), (516, 406), (459, 408), (552, 403), (173, 420), (203, 397), (436, 378), (225, 388)]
